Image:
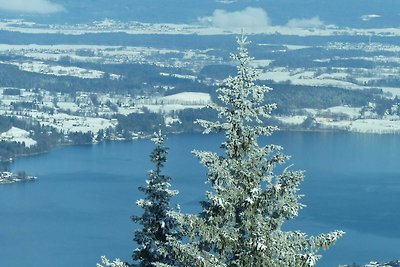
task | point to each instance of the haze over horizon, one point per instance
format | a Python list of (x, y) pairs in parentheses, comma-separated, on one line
[(355, 13)]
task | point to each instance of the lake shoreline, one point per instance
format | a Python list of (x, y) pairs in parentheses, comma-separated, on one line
[(148, 136)]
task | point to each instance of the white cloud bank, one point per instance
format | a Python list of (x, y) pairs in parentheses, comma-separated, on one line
[(311, 23), (249, 18), (31, 6), (370, 17)]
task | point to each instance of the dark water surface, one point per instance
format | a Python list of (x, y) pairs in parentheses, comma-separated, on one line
[(80, 207)]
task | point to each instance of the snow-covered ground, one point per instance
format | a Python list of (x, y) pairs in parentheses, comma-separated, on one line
[(41, 67), (69, 123), (336, 79), (375, 126), (180, 76), (353, 122), (261, 63), (335, 118), (17, 135), (184, 100), (68, 106), (188, 98), (168, 108), (291, 120), (101, 54), (371, 126), (89, 120), (351, 112), (307, 77)]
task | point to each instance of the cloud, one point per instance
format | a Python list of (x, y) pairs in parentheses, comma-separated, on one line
[(226, 1), (249, 18), (313, 22), (31, 6), (370, 17)]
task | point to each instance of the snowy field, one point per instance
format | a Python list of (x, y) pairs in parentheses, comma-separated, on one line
[(17, 135), (354, 121), (180, 101), (41, 67), (337, 79)]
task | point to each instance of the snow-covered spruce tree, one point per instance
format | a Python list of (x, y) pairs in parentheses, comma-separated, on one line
[(108, 263), (156, 222), (242, 217)]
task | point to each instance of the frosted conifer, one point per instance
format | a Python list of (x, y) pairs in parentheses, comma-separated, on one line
[(156, 222), (242, 216), (108, 263)]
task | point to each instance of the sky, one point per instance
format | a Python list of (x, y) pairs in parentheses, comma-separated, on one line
[(31, 6), (219, 13), (242, 17)]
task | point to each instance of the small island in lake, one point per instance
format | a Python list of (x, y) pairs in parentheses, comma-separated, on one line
[(9, 177)]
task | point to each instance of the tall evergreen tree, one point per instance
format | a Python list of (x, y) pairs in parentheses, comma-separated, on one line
[(242, 217), (156, 222)]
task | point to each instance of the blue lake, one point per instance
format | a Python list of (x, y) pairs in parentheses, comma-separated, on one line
[(80, 207)]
